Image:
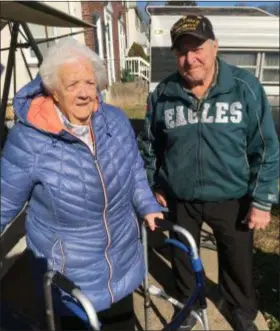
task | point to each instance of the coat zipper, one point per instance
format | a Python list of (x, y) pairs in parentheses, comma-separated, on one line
[(200, 154), (199, 107), (104, 214), (94, 153)]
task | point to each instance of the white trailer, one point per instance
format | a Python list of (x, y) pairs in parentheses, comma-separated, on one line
[(248, 37)]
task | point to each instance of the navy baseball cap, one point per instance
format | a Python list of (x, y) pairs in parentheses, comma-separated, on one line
[(195, 25)]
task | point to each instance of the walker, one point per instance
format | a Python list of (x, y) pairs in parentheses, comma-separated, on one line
[(199, 291), (84, 309)]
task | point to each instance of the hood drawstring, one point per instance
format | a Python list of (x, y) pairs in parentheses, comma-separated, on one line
[(54, 141)]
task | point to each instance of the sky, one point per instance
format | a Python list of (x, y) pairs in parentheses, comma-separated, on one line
[(142, 4)]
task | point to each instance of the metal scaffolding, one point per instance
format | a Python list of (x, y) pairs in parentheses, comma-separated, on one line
[(17, 15)]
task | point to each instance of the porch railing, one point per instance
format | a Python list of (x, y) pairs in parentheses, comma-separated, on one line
[(138, 67)]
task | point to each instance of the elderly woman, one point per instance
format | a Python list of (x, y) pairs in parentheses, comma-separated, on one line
[(74, 160)]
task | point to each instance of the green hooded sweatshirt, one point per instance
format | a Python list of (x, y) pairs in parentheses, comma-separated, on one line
[(221, 147)]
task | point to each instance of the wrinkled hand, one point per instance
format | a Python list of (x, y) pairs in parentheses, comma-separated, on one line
[(258, 219), (150, 219), (161, 199)]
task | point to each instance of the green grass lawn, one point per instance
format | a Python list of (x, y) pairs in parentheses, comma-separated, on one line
[(135, 112)]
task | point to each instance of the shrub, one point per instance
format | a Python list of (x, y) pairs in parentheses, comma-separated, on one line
[(126, 76), (137, 50)]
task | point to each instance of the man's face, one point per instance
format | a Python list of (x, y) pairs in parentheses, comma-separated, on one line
[(195, 58)]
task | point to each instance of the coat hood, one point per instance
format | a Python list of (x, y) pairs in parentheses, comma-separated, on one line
[(35, 107)]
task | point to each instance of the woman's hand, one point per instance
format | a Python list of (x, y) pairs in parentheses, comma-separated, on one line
[(150, 219)]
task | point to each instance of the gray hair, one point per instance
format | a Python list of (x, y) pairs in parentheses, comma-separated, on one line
[(65, 51)]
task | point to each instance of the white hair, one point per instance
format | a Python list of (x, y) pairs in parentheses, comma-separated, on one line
[(65, 51)]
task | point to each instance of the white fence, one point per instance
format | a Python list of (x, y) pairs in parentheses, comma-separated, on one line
[(138, 67)]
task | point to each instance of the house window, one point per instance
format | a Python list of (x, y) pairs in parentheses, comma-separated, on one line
[(40, 33), (270, 68), (246, 60), (263, 65)]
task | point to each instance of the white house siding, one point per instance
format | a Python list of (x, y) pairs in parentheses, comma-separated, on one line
[(134, 32)]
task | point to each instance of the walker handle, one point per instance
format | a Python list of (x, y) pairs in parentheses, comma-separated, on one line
[(64, 283), (163, 224)]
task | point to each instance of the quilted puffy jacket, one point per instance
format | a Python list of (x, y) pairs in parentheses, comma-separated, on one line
[(81, 214)]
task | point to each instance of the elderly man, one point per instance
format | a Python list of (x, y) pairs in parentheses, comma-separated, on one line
[(211, 154)]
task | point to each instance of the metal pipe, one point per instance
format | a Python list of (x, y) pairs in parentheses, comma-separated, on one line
[(8, 76), (147, 297), (14, 63), (189, 238), (60, 281), (26, 64), (49, 301), (47, 36), (23, 35), (205, 319), (27, 44), (91, 313), (15, 74), (33, 43)]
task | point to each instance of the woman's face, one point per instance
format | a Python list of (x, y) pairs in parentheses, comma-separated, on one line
[(75, 91)]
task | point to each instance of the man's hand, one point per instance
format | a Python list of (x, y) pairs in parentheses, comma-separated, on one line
[(161, 199), (150, 219), (258, 219)]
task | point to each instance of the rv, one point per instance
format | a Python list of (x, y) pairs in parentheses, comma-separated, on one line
[(248, 37)]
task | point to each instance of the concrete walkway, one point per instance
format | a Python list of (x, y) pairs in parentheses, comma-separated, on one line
[(17, 288)]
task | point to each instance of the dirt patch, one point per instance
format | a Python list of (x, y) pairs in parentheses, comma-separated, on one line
[(131, 96)]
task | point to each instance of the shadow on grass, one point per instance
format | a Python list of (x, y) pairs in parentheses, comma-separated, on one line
[(267, 269), (267, 277)]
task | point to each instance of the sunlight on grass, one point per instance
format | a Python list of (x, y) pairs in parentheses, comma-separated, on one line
[(136, 112), (131, 97)]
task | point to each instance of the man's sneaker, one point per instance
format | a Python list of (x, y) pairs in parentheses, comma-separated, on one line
[(188, 323), (240, 321)]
